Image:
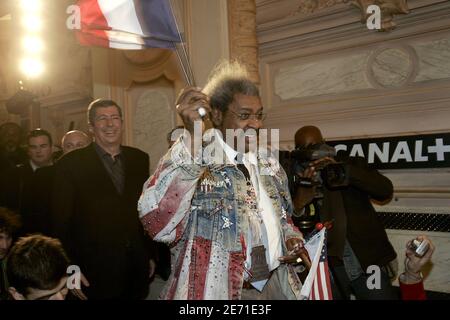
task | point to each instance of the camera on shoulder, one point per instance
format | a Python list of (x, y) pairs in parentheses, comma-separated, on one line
[(332, 175)]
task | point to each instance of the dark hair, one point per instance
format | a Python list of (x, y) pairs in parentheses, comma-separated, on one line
[(226, 80), (37, 262), (9, 221), (100, 103), (38, 133)]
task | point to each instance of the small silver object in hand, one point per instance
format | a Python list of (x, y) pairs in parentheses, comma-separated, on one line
[(201, 111)]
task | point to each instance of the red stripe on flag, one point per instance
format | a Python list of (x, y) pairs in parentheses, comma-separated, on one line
[(319, 282), (235, 275), (156, 220), (92, 15), (93, 24), (177, 270), (200, 254), (327, 277)]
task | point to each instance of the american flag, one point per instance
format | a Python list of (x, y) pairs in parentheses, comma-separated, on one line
[(317, 285)]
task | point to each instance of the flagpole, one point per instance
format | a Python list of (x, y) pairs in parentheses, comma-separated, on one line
[(187, 70), (185, 63)]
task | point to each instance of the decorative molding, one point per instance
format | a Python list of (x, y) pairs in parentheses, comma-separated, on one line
[(388, 8), (242, 34), (338, 28), (392, 66), (307, 7)]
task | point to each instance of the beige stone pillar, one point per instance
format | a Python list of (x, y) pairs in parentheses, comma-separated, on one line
[(242, 33)]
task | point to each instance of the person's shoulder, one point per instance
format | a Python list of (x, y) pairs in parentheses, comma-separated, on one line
[(22, 167), (45, 170), (75, 156), (14, 170), (135, 152)]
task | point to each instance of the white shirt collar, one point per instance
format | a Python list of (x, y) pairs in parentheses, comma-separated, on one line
[(249, 157), (33, 166), (229, 151)]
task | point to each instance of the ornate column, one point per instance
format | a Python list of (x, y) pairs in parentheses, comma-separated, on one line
[(242, 34)]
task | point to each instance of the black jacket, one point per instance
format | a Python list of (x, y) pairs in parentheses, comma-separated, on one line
[(15, 187), (99, 227), (354, 216)]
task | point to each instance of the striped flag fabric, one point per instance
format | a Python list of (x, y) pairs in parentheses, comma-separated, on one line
[(317, 285), (127, 24)]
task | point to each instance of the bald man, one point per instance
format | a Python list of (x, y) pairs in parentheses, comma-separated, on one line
[(73, 140), (357, 239)]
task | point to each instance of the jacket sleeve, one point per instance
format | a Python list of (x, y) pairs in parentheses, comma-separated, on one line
[(414, 291), (369, 180), (62, 202), (165, 201), (289, 229)]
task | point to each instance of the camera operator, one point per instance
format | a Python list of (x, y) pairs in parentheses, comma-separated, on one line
[(338, 188)]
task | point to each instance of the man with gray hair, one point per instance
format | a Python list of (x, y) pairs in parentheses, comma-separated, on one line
[(94, 214), (228, 224)]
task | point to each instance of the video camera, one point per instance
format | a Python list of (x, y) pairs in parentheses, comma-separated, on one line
[(332, 175)]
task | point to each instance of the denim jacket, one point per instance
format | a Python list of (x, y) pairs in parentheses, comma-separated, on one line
[(206, 223)]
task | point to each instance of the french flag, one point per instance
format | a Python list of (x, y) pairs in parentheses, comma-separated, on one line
[(127, 24)]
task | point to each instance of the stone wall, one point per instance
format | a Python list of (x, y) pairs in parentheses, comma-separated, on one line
[(320, 65)]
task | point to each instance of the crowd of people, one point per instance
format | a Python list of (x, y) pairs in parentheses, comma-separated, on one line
[(235, 228)]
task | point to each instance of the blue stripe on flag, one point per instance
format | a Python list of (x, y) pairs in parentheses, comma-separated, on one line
[(156, 20)]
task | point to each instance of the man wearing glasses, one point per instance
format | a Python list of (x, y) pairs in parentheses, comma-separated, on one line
[(226, 216)]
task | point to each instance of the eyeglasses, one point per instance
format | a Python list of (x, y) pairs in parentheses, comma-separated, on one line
[(245, 116), (106, 118)]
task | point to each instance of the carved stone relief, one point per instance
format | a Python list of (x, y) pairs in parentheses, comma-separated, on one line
[(392, 67), (153, 118), (310, 6), (388, 8)]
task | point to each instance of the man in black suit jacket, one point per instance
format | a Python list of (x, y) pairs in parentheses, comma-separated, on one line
[(94, 209), (42, 183), (17, 183), (11, 154), (357, 238)]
